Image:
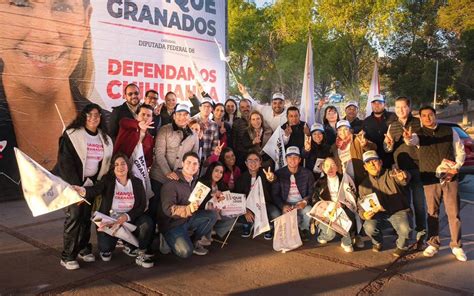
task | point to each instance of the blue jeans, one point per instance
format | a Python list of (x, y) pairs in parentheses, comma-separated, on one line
[(327, 234), (417, 196), (399, 221), (201, 223), (144, 234), (303, 219)]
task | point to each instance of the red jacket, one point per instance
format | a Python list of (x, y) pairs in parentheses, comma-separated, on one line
[(128, 137)]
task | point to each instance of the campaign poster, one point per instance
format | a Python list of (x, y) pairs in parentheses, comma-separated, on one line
[(58, 56)]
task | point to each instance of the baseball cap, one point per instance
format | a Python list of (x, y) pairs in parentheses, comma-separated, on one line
[(207, 100), (352, 103), (377, 98), (183, 108), (317, 127), (343, 123), (278, 96), (292, 150), (370, 155)]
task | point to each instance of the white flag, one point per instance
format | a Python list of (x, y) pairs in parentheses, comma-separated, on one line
[(287, 235), (222, 56), (307, 94), (347, 195), (256, 203), (43, 191), (374, 90), (140, 170), (105, 224), (275, 148)]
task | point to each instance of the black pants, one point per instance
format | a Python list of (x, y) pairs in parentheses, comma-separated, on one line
[(77, 231), (154, 201)]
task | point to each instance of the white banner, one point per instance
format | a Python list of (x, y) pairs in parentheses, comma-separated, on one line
[(275, 148), (307, 93), (374, 90), (287, 235), (154, 43), (256, 203), (43, 191), (140, 170), (233, 205), (106, 224), (327, 213)]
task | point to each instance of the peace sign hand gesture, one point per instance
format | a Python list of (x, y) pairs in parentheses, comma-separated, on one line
[(218, 148), (362, 139), (407, 134), (307, 143), (269, 174)]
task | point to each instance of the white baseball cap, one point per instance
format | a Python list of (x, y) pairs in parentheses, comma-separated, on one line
[(292, 150), (317, 127), (207, 100), (278, 96), (352, 103), (183, 108), (370, 155), (343, 123), (377, 98)]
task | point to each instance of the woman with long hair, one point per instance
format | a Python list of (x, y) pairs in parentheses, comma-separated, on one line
[(84, 155), (316, 149), (123, 199), (330, 118), (225, 129), (46, 68), (257, 136), (231, 110)]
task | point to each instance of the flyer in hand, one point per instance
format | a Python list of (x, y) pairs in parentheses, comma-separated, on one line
[(327, 213), (370, 203), (199, 193)]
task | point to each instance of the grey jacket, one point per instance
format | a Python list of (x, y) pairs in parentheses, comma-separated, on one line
[(169, 150)]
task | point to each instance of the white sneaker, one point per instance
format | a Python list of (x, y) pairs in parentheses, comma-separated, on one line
[(459, 253), (87, 258), (70, 265), (347, 249), (322, 241), (430, 251), (143, 261), (200, 250)]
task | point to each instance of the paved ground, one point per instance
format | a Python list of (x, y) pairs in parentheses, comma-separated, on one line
[(30, 249)]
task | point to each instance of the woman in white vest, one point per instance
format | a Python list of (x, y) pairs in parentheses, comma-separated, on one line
[(84, 155)]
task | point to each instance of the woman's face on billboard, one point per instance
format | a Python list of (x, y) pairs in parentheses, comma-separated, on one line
[(42, 39)]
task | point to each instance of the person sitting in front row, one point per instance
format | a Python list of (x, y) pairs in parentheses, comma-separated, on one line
[(293, 189), (177, 216), (124, 199), (388, 186)]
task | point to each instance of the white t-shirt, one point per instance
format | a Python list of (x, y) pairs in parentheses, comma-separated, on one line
[(333, 186), (95, 154), (124, 199), (294, 194)]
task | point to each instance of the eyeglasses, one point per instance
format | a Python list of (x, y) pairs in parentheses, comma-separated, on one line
[(252, 161), (153, 97), (93, 115), (133, 93)]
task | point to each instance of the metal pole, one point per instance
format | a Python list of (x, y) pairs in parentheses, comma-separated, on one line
[(436, 85)]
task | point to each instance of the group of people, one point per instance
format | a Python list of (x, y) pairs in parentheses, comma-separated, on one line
[(407, 162)]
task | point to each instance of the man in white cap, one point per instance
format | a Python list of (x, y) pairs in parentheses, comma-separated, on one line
[(210, 129), (293, 189), (389, 189), (274, 115), (352, 109), (376, 125), (171, 143)]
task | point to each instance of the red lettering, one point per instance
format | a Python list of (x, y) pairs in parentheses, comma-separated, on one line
[(160, 71), (127, 68), (212, 76), (137, 68), (181, 74), (113, 94), (170, 72), (115, 67), (204, 74), (148, 71)]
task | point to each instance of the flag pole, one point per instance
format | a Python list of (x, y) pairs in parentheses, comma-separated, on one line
[(228, 234)]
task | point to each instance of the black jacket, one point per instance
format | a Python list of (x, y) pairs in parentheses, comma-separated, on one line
[(243, 185), (118, 113), (406, 157), (321, 189), (106, 188), (317, 151), (375, 130)]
